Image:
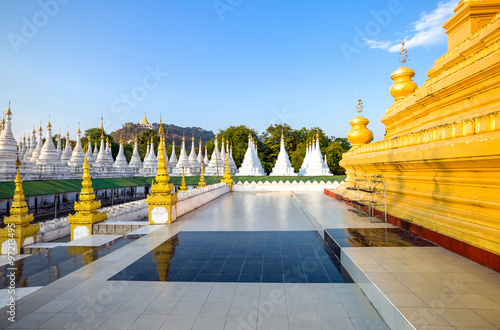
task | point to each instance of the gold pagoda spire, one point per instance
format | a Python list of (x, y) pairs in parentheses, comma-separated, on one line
[(79, 128), (87, 208), (49, 125), (202, 182), (160, 130), (19, 219), (40, 128), (9, 113), (101, 127), (183, 186), (227, 176)]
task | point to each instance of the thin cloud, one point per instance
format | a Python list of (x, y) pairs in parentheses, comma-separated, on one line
[(427, 31)]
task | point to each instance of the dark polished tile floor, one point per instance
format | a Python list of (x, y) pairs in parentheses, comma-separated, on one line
[(366, 237), (240, 256), (47, 266)]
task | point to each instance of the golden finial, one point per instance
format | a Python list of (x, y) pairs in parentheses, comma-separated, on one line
[(33, 129), (403, 54), (107, 138), (183, 137), (49, 124), (160, 130), (216, 136), (183, 186), (360, 107), (317, 134), (101, 128), (18, 162), (67, 131), (40, 128), (9, 113), (102, 136), (282, 137), (202, 182), (85, 148), (78, 128), (193, 137), (121, 142), (227, 176)]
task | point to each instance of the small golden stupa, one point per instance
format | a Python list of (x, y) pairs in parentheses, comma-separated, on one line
[(227, 176), (162, 203), (183, 186), (86, 209), (202, 182), (18, 225)]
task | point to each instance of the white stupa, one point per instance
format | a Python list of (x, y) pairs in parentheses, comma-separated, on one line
[(283, 167), (173, 157), (150, 165), (8, 149), (223, 151), (109, 157), (90, 155), (39, 145), (96, 150), (233, 169), (135, 161), (200, 153), (205, 159), (183, 162), (194, 165), (251, 164), (68, 151), (32, 146), (59, 149), (121, 166), (315, 165), (101, 157), (77, 156), (48, 165), (215, 166)]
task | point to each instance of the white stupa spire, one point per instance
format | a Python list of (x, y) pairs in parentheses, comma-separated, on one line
[(215, 165), (135, 160), (200, 153), (173, 157), (193, 160), (32, 146), (39, 145), (96, 150), (8, 149), (223, 151), (68, 151), (48, 153), (78, 156), (232, 165), (251, 164), (120, 161), (59, 149), (90, 154), (151, 162), (315, 165), (183, 157), (101, 156), (205, 159), (283, 167)]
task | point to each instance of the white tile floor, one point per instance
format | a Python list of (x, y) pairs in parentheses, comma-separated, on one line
[(86, 299)]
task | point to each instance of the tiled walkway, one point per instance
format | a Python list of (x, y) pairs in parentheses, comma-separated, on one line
[(86, 298), (427, 286)]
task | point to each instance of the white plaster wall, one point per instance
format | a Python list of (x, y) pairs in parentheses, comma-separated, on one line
[(284, 186), (187, 205)]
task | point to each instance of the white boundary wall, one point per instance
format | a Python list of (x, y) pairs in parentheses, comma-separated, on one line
[(285, 186)]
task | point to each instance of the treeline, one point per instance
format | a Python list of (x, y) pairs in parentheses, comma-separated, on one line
[(268, 144)]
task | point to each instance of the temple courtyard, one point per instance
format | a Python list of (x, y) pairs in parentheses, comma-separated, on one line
[(255, 261)]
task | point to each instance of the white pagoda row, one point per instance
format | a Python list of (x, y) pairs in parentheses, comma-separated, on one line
[(43, 160)]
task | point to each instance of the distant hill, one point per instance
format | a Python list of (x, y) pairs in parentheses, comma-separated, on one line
[(130, 130)]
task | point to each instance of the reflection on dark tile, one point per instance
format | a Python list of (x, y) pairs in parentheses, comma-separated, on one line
[(364, 237), (47, 266), (254, 257)]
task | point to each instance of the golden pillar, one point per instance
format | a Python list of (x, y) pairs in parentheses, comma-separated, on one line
[(17, 225), (86, 209), (202, 182), (227, 176), (183, 186), (162, 202)]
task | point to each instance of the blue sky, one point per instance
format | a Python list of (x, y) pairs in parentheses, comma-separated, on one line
[(210, 63)]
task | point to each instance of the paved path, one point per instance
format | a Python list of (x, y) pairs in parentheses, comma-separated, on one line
[(85, 299)]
